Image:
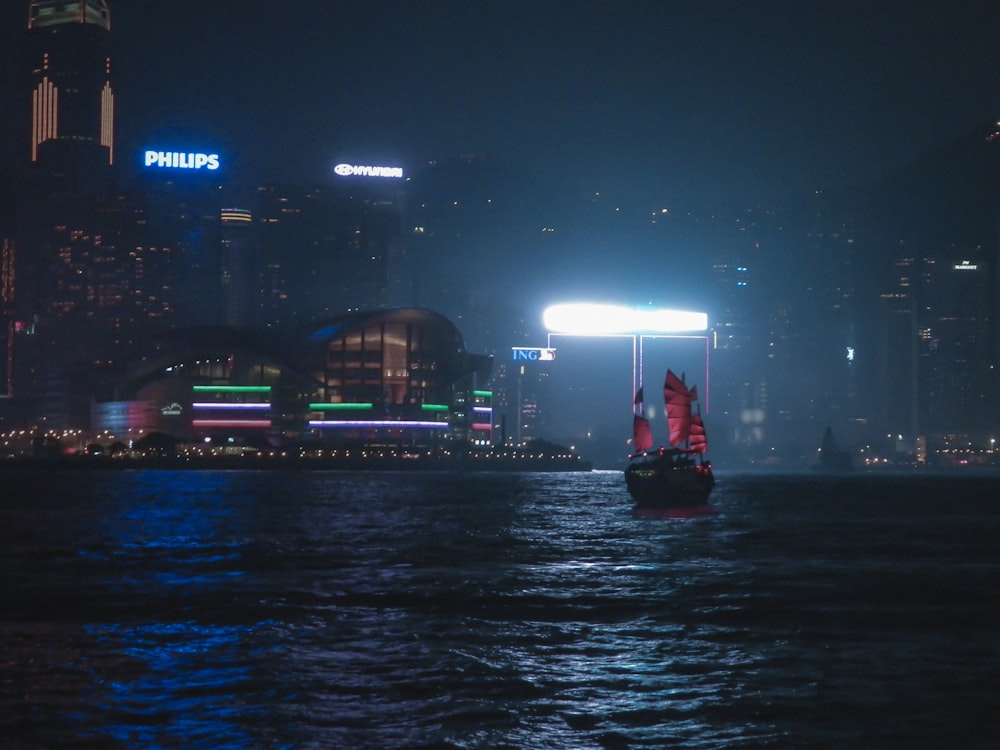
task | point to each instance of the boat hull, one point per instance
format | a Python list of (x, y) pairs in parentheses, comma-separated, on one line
[(666, 482), (694, 511)]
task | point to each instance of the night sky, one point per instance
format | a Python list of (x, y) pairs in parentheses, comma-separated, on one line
[(748, 100)]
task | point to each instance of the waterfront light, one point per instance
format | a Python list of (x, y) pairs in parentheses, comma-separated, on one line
[(587, 319), (231, 388), (389, 423), (222, 405)]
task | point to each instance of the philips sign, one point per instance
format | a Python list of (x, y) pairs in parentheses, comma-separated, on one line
[(351, 170), (532, 354), (178, 160)]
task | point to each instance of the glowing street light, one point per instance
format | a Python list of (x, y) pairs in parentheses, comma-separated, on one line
[(587, 319)]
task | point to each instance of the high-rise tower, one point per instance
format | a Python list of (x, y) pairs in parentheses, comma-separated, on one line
[(7, 260), (76, 253), (68, 61)]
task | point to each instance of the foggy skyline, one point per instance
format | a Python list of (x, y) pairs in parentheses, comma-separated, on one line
[(660, 101), (639, 154)]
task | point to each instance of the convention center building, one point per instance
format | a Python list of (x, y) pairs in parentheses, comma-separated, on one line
[(387, 377)]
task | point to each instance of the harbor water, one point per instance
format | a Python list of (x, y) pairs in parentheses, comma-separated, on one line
[(287, 609)]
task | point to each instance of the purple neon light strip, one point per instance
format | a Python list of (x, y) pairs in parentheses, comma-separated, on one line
[(375, 423), (230, 422), (220, 406)]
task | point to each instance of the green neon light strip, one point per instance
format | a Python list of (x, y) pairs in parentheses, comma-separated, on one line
[(434, 407), (340, 407), (484, 394), (231, 388)]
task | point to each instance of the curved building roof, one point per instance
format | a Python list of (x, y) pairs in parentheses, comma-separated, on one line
[(184, 344), (295, 356), (353, 321)]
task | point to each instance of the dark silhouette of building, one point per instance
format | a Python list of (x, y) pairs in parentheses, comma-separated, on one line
[(937, 326), (323, 251), (8, 259), (237, 265)]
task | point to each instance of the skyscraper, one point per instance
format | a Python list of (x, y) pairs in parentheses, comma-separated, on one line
[(323, 251), (236, 266), (7, 270), (68, 61), (75, 244)]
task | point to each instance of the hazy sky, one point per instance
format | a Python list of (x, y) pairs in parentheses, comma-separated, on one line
[(745, 97)]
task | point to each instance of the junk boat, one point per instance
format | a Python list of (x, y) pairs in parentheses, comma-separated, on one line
[(675, 480)]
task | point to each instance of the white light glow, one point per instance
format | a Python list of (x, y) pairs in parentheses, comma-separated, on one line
[(588, 319)]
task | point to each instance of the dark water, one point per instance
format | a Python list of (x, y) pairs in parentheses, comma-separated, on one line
[(327, 610)]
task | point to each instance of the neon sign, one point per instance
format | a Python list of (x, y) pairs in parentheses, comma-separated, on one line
[(351, 170), (180, 160), (532, 354), (390, 423)]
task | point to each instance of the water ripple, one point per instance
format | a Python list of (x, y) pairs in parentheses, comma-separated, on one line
[(531, 611)]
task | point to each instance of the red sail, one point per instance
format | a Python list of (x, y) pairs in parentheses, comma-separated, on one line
[(638, 397), (642, 436), (699, 441), (677, 399)]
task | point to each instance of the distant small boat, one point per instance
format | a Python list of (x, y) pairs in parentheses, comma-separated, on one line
[(671, 481), (831, 456)]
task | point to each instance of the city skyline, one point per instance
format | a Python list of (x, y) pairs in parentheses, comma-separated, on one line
[(654, 101), (792, 276)]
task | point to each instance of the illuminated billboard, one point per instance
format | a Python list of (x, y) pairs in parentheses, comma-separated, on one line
[(532, 354), (355, 170), (180, 160), (596, 320)]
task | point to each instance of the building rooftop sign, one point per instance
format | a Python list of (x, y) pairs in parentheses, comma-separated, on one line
[(532, 354), (180, 160), (354, 170), (600, 320)]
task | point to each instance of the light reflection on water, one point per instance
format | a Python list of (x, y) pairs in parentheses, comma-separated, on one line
[(179, 681), (244, 609)]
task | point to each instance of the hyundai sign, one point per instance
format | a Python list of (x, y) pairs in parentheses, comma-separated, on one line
[(352, 170), (181, 160), (532, 354)]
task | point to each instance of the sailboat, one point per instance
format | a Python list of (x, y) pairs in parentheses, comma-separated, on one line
[(675, 478), (832, 457)]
